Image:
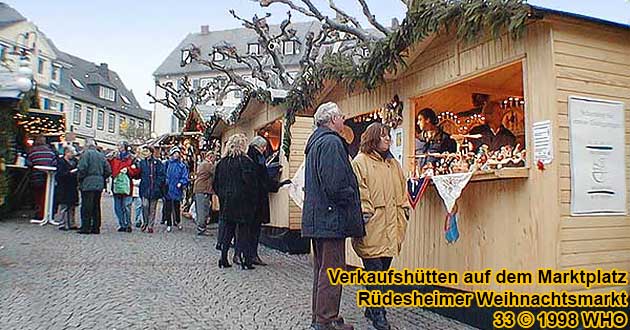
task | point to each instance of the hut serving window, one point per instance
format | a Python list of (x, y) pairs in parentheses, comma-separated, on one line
[(477, 123), (272, 132)]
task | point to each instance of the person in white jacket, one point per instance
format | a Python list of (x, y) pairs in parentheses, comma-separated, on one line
[(136, 203)]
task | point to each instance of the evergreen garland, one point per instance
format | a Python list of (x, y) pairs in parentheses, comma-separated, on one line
[(471, 20)]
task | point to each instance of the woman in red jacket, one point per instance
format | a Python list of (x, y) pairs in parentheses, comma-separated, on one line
[(123, 170)]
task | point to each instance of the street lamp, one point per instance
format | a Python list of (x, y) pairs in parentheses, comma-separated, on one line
[(24, 80)]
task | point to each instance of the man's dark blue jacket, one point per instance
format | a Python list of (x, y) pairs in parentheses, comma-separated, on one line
[(332, 207)]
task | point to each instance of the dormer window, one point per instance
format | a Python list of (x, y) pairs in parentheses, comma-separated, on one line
[(253, 49), (125, 100), (77, 83), (289, 47), (185, 57), (217, 57), (107, 93)]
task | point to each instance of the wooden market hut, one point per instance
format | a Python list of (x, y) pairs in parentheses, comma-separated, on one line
[(515, 218), (259, 118)]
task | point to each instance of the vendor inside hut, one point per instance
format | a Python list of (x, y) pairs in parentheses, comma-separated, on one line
[(493, 133), (476, 124), (431, 139)]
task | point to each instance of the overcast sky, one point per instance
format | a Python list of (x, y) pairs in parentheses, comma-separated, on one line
[(135, 36)]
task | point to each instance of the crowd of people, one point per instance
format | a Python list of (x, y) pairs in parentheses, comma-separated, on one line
[(362, 198), (138, 179)]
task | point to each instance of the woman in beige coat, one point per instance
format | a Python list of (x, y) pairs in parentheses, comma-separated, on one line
[(384, 205)]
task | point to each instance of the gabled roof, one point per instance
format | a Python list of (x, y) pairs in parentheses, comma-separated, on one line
[(9, 16), (91, 75), (240, 38), (593, 19)]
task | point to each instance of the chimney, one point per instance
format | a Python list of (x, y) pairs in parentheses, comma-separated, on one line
[(103, 70), (395, 24), (205, 29)]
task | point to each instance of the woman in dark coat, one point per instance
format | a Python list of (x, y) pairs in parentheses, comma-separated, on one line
[(267, 184), (236, 185), (67, 192)]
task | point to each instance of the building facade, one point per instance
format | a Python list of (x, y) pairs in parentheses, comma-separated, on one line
[(245, 41), (92, 98), (101, 106)]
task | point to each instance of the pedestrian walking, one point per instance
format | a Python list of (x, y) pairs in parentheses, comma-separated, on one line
[(123, 171), (66, 191), (93, 170), (136, 203), (331, 213), (176, 181), (384, 206), (202, 191), (152, 179), (236, 184), (40, 155)]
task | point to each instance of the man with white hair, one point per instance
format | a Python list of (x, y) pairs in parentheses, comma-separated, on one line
[(93, 169), (331, 213)]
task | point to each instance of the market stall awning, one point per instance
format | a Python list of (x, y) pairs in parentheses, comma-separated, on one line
[(36, 122)]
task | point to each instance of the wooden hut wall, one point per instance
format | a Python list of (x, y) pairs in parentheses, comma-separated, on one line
[(593, 61), (511, 223), (300, 132)]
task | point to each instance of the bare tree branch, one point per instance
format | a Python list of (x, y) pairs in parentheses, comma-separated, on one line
[(344, 15), (312, 11), (372, 19)]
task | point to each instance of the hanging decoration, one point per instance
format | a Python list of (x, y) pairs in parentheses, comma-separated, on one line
[(391, 114), (451, 230), (450, 187), (416, 188)]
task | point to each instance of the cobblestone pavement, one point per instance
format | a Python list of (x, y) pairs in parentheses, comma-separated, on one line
[(51, 279)]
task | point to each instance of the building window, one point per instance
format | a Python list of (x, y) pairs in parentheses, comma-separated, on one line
[(88, 117), (253, 49), (180, 84), (121, 121), (141, 124), (100, 120), (3, 52), (289, 47), (46, 104), (195, 83), (174, 124), (111, 124), (56, 72), (125, 99), (107, 93), (41, 63), (217, 57), (77, 83), (185, 57), (132, 123), (60, 107), (203, 82), (76, 115)]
